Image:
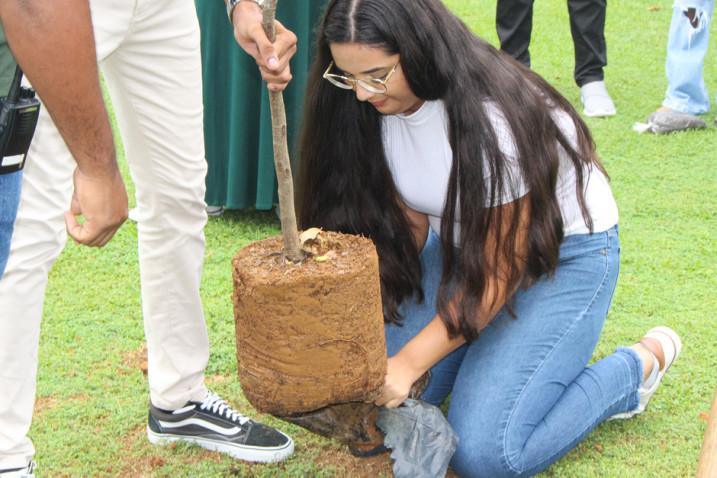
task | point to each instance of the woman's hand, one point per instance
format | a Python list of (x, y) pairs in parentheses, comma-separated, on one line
[(400, 376)]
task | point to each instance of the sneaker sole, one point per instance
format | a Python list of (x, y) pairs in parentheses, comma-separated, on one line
[(599, 114), (240, 452)]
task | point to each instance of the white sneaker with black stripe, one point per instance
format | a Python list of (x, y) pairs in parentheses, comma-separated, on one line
[(214, 425), (26, 472)]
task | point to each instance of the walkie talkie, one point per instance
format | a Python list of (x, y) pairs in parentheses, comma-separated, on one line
[(19, 112)]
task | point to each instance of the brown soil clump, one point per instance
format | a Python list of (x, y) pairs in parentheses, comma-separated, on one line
[(347, 465), (137, 359), (309, 334)]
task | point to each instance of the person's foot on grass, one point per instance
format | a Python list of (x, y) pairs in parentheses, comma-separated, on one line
[(596, 100), (25, 472), (658, 349), (666, 120), (214, 425), (215, 211)]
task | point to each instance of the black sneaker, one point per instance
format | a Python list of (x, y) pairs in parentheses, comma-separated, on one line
[(26, 472), (214, 425)]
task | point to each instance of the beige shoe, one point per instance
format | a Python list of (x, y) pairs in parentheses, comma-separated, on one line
[(671, 346)]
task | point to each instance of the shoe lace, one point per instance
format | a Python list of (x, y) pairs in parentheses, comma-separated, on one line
[(214, 403)]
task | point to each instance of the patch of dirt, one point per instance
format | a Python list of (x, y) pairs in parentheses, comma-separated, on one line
[(212, 379), (141, 466), (137, 466), (46, 404), (137, 359), (350, 466)]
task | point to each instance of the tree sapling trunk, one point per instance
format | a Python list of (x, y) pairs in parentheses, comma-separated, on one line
[(289, 230)]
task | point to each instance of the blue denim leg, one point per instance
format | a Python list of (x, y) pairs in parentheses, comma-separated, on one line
[(10, 185), (523, 396), (686, 48), (416, 316)]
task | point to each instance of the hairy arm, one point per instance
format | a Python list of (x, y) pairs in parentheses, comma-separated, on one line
[(53, 43), (432, 343)]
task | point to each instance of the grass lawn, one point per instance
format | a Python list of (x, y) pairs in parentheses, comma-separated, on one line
[(92, 396)]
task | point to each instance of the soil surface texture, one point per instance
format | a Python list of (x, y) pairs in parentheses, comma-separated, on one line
[(309, 334)]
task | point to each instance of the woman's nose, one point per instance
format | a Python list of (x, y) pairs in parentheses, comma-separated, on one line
[(362, 94)]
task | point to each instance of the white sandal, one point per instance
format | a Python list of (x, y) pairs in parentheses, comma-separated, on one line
[(671, 347)]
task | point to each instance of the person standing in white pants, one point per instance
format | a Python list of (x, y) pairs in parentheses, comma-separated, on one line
[(148, 51)]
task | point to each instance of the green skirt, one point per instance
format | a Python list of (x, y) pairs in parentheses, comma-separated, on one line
[(237, 120)]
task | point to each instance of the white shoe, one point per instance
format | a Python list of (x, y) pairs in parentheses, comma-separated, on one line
[(28, 472), (215, 211), (133, 215), (671, 347), (596, 100)]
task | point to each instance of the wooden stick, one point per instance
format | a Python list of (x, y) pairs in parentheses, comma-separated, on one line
[(708, 457), (282, 164)]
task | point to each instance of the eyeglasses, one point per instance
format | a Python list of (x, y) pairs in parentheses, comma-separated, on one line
[(374, 85)]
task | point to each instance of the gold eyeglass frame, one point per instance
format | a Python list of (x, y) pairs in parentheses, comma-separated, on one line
[(346, 83)]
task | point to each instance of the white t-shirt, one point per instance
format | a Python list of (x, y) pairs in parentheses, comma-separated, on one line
[(420, 156)]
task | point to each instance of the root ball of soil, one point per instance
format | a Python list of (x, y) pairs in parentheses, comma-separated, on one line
[(309, 334)]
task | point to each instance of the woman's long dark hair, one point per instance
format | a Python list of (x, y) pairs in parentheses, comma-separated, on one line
[(345, 183)]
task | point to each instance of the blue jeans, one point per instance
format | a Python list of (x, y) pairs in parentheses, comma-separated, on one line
[(522, 394), (686, 48), (10, 185)]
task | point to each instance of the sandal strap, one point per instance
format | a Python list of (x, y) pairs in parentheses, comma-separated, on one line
[(652, 344), (669, 344)]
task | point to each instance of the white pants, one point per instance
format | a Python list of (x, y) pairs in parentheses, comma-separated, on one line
[(149, 54)]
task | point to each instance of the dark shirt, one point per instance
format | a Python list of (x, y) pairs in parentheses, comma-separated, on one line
[(7, 64)]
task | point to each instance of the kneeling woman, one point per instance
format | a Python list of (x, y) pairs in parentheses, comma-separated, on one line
[(495, 227)]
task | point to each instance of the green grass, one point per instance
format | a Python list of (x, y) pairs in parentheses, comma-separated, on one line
[(92, 398)]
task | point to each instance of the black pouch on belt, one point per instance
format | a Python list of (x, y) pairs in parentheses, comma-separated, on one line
[(19, 112)]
